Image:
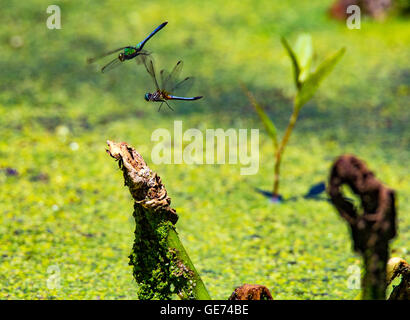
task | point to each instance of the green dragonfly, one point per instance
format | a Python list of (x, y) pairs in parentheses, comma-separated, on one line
[(169, 84), (128, 52)]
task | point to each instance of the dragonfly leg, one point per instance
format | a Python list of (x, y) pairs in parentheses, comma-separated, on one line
[(169, 105), (160, 106)]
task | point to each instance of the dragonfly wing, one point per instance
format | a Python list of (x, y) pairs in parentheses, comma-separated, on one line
[(149, 66), (111, 65), (91, 60), (172, 79), (182, 88), (139, 59), (164, 80)]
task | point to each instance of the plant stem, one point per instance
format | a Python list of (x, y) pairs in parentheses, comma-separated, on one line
[(374, 279), (281, 149), (199, 290)]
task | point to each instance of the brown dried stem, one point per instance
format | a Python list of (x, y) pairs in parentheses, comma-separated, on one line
[(251, 292), (374, 228)]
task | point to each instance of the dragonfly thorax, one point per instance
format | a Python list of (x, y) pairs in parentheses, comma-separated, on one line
[(128, 54), (157, 96), (129, 51)]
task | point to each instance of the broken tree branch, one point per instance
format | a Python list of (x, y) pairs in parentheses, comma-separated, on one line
[(161, 266), (371, 229)]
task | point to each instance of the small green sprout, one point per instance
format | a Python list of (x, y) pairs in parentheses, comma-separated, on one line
[(307, 82)]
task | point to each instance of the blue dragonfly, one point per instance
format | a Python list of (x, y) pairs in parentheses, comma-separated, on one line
[(128, 52), (169, 84)]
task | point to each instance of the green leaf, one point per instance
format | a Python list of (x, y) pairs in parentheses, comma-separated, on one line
[(296, 67), (311, 84), (304, 53), (268, 123)]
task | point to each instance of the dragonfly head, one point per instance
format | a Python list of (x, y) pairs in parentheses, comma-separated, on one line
[(121, 56), (148, 96)]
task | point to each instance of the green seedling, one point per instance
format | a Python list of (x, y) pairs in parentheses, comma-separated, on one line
[(306, 81)]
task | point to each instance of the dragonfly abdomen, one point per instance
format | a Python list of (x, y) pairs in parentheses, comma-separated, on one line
[(170, 97)]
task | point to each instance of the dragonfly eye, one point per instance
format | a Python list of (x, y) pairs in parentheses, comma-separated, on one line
[(121, 56), (147, 96)]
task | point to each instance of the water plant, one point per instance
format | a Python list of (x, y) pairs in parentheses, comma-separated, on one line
[(306, 81)]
